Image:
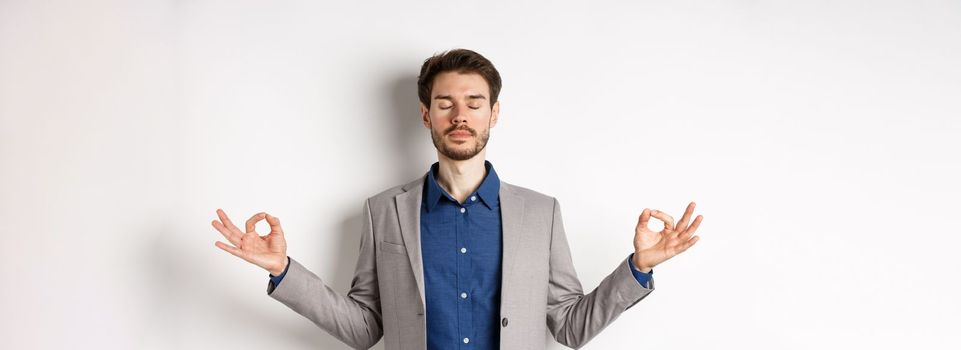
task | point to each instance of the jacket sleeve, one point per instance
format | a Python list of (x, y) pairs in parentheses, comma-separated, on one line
[(573, 317), (354, 319)]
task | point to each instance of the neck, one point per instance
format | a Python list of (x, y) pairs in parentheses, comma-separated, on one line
[(460, 178)]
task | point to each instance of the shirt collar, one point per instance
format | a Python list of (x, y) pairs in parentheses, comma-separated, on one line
[(487, 191)]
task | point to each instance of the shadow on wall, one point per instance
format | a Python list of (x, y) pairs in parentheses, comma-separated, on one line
[(177, 284), (407, 136), (186, 296), (410, 137)]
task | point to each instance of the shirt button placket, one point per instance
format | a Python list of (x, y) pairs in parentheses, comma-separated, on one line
[(463, 250)]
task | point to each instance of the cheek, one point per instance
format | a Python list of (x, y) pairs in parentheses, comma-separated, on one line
[(438, 123), (439, 115), (481, 116)]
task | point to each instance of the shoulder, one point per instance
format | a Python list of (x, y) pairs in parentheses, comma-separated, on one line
[(385, 198), (530, 197)]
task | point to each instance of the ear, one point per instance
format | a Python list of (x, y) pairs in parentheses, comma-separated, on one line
[(425, 115), (495, 110)]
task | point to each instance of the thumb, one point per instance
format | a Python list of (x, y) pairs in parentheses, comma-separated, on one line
[(274, 223), (643, 220)]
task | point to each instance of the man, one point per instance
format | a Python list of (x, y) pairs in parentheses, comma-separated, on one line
[(458, 259)]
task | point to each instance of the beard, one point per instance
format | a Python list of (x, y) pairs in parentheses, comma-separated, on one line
[(458, 153)]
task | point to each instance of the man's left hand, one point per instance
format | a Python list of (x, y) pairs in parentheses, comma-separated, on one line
[(652, 248)]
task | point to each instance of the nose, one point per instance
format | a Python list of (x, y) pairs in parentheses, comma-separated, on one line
[(459, 116)]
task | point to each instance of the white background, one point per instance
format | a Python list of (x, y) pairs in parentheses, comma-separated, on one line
[(819, 138)]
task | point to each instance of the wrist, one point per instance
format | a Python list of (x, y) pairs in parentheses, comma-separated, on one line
[(640, 266), (280, 270)]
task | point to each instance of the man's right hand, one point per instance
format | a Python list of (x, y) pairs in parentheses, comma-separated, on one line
[(268, 252)]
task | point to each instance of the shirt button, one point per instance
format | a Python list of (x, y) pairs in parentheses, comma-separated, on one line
[(504, 322), (463, 295), (466, 340), (473, 198), (463, 210), (463, 250)]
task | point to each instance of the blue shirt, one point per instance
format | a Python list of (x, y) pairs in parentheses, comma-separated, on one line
[(461, 244)]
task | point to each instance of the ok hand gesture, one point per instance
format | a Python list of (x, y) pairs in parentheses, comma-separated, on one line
[(268, 252), (652, 248)]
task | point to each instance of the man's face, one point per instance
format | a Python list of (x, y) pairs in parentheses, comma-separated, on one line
[(460, 114)]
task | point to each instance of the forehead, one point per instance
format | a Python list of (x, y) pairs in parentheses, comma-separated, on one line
[(459, 84)]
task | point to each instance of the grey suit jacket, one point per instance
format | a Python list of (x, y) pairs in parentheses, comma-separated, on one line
[(540, 289)]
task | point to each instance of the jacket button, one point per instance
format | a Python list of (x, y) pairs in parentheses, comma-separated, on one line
[(504, 322)]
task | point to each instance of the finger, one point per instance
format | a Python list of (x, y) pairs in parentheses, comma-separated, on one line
[(667, 219), (644, 219), (694, 225), (252, 222), (691, 229), (234, 238), (684, 236), (681, 225), (226, 221), (232, 250), (274, 223), (688, 244)]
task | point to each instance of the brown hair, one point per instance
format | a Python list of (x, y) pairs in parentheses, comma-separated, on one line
[(460, 61)]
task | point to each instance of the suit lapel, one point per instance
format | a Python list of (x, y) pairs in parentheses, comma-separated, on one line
[(512, 219), (408, 213)]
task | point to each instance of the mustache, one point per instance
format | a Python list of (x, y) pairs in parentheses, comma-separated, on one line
[(462, 127)]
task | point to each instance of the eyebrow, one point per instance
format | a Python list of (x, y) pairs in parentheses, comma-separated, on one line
[(469, 97)]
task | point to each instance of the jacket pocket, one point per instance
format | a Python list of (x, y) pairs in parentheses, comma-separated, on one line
[(394, 248)]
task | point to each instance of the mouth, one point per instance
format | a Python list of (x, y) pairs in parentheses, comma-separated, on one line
[(460, 134)]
